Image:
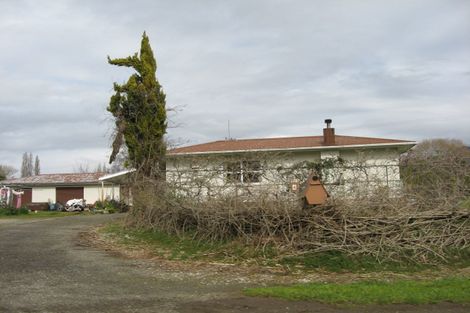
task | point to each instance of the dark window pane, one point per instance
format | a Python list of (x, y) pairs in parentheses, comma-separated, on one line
[(233, 171), (252, 177), (251, 165)]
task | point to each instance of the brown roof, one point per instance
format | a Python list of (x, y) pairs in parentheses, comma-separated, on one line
[(284, 143), (56, 179)]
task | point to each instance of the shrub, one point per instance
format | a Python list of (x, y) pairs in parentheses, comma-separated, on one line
[(111, 206), (8, 211)]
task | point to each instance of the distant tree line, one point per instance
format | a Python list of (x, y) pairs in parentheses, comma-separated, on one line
[(28, 168)]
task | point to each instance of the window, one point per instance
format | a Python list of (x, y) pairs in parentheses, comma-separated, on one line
[(251, 171), (243, 171), (233, 172)]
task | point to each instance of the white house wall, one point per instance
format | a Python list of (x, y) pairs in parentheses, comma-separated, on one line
[(380, 165), (43, 194), (371, 168), (289, 159), (90, 193), (372, 157), (329, 154), (93, 193)]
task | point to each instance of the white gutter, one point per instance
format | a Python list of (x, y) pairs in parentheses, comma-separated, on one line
[(121, 173), (378, 145)]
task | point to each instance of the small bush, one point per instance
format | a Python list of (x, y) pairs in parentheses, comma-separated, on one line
[(23, 210), (111, 206), (9, 211)]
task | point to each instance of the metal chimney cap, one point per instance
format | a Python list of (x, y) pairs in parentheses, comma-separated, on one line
[(328, 121)]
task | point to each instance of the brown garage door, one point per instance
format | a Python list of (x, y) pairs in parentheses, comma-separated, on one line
[(27, 197), (64, 194)]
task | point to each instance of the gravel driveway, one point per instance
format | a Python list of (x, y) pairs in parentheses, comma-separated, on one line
[(43, 268)]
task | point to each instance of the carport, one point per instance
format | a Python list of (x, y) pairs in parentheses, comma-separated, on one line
[(122, 179)]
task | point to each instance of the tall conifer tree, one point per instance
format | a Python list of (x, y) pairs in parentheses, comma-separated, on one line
[(30, 164), (139, 109), (24, 165), (37, 166), (27, 165)]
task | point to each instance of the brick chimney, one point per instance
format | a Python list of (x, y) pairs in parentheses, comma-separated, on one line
[(328, 134)]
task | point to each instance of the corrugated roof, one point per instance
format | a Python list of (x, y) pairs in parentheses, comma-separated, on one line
[(283, 143), (56, 179)]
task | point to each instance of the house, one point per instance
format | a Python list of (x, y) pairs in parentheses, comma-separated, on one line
[(51, 188), (259, 162)]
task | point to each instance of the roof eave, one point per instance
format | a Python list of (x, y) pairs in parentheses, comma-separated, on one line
[(114, 176), (21, 184), (360, 146)]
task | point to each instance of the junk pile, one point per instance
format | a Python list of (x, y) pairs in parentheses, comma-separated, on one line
[(75, 205)]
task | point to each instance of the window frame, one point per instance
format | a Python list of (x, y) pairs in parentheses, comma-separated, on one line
[(243, 172)]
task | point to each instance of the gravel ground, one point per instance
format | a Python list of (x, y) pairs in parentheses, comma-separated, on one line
[(46, 267)]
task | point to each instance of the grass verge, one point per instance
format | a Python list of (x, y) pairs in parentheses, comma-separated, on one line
[(171, 247), (334, 261), (455, 290), (186, 248), (39, 214)]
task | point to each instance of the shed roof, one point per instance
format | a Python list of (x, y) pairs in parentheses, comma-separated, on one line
[(285, 143), (56, 179)]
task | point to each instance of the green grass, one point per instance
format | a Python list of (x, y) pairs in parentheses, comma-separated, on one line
[(43, 214), (186, 248), (39, 214), (162, 244), (412, 292)]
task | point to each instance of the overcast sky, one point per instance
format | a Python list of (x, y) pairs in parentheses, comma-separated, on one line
[(393, 69)]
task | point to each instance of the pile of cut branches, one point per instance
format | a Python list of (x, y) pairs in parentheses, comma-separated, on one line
[(424, 237)]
